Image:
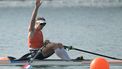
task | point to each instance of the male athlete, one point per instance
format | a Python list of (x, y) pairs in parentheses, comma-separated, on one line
[(35, 38)]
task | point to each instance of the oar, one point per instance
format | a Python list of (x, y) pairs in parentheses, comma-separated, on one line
[(71, 48), (28, 65)]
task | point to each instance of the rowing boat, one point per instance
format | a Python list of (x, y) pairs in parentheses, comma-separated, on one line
[(56, 62)]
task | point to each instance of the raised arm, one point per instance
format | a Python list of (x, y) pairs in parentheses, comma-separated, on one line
[(33, 18)]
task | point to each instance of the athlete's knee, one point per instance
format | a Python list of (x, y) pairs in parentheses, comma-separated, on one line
[(60, 45), (55, 45), (50, 46)]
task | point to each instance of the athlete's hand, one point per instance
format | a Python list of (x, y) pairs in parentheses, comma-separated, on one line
[(46, 42), (38, 3)]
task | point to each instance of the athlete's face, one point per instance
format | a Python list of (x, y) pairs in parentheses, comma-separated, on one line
[(40, 24)]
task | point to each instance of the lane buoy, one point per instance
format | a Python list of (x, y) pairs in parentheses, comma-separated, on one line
[(99, 63)]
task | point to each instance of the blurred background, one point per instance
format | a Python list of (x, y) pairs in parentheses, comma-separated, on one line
[(60, 3)]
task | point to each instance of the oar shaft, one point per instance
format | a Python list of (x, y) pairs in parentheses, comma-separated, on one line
[(71, 48), (98, 54)]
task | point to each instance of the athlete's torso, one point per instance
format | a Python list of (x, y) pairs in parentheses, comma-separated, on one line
[(37, 40)]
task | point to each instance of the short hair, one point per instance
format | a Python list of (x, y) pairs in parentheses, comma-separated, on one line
[(41, 18)]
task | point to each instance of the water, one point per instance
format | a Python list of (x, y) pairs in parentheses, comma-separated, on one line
[(63, 3), (94, 29)]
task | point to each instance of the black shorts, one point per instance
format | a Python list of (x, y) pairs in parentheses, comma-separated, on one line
[(40, 56)]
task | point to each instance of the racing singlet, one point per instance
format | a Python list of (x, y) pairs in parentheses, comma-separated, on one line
[(37, 40)]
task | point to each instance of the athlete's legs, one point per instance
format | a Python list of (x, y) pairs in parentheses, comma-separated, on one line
[(57, 48), (60, 52), (48, 50)]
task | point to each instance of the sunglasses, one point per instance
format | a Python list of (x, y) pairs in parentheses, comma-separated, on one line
[(43, 24)]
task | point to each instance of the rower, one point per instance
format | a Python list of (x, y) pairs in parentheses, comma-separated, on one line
[(35, 38)]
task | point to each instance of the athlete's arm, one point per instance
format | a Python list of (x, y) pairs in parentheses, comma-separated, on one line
[(33, 18)]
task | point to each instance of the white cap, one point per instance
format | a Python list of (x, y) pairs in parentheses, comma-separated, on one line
[(41, 21)]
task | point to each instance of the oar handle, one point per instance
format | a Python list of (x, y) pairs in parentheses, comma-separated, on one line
[(71, 48)]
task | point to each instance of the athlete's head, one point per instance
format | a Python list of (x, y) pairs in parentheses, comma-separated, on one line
[(40, 23)]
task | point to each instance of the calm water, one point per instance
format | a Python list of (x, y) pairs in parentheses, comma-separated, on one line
[(94, 29)]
